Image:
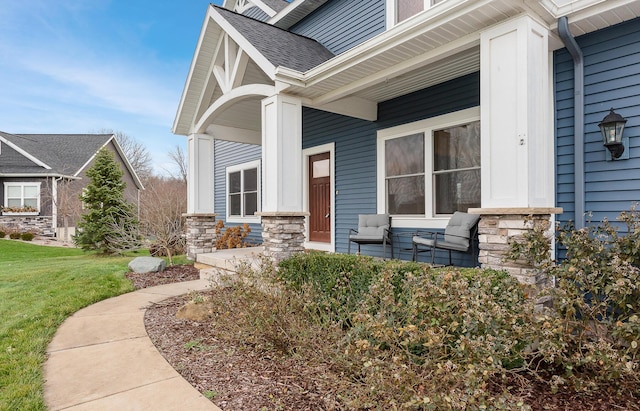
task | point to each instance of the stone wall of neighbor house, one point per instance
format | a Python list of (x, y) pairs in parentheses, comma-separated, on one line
[(201, 234), (39, 225)]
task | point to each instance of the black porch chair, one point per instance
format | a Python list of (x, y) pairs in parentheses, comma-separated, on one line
[(459, 235), (372, 229)]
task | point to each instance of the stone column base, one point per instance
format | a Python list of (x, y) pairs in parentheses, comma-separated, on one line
[(497, 227), (201, 234), (282, 234)]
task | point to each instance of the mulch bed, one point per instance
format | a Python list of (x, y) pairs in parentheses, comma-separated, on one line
[(236, 378)]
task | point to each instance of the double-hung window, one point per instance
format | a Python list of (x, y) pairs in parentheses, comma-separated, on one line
[(22, 197), (243, 192), (429, 169)]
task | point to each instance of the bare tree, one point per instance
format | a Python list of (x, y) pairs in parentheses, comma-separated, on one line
[(135, 152), (164, 200), (179, 158)]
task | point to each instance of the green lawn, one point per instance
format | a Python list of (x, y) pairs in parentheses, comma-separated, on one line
[(40, 287)]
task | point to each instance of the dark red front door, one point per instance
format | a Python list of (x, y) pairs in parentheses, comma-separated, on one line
[(320, 198)]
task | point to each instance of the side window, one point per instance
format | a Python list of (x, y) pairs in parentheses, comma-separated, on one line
[(243, 192)]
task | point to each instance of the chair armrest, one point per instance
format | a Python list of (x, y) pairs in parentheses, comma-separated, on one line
[(352, 231)]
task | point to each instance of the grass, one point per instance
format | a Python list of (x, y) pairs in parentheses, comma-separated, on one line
[(39, 288)]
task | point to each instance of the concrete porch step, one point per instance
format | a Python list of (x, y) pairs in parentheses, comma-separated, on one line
[(225, 262)]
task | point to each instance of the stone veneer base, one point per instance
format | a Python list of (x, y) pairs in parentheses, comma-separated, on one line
[(497, 228), (201, 234), (283, 234)]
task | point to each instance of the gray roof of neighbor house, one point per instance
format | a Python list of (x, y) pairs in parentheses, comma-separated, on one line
[(280, 47)]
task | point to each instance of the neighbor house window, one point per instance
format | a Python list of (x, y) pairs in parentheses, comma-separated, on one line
[(431, 168), (22, 197), (400, 10), (243, 192)]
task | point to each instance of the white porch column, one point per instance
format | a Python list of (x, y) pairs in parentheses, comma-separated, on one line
[(200, 174), (516, 121), (200, 218), (282, 215), (282, 154)]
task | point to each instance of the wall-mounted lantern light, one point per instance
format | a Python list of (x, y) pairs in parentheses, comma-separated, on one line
[(612, 127)]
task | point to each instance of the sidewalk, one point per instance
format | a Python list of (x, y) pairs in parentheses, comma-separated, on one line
[(102, 359)]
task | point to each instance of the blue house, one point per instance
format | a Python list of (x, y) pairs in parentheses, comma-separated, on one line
[(302, 115)]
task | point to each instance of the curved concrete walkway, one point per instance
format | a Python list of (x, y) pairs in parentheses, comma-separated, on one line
[(101, 358)]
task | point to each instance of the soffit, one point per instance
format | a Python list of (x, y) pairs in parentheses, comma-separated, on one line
[(438, 45)]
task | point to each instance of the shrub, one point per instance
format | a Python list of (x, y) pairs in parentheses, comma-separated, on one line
[(14, 236), (233, 237), (590, 338), (2, 234), (27, 236)]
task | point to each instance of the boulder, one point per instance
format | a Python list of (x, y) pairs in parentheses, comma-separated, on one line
[(195, 311), (147, 265)]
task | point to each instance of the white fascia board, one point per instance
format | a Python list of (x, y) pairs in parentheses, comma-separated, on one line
[(284, 12), (584, 9), (39, 175), (192, 68), (268, 10), (24, 153), (428, 20), (262, 62), (559, 8)]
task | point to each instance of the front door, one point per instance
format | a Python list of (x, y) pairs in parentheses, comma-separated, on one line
[(320, 198)]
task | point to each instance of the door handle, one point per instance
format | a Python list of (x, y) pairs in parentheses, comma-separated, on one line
[(327, 216)]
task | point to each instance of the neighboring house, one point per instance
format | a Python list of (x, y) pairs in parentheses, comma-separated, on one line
[(301, 115), (43, 175)]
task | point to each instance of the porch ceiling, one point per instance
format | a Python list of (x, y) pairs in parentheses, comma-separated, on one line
[(438, 45)]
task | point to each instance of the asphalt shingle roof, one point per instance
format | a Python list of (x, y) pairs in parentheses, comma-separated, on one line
[(280, 47), (276, 5), (64, 153)]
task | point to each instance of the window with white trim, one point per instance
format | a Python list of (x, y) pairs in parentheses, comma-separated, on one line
[(243, 192), (431, 168), (21, 197), (400, 10)]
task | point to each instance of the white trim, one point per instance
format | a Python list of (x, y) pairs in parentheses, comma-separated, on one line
[(430, 220), (242, 167), (306, 153), (233, 96), (22, 184), (24, 153), (243, 43)]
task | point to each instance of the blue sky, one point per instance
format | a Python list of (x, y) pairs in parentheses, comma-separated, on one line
[(78, 66)]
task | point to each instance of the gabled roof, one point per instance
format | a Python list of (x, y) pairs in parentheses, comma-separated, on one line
[(282, 48), (57, 154)]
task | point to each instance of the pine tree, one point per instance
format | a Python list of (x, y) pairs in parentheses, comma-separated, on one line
[(109, 218)]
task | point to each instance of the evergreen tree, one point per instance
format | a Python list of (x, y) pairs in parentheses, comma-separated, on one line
[(109, 218)]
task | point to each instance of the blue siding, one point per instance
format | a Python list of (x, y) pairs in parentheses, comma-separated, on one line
[(355, 149), (612, 79), (343, 24), (229, 154), (256, 13)]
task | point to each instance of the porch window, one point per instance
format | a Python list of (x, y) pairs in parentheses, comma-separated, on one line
[(243, 192), (430, 169), (400, 10), (22, 197)]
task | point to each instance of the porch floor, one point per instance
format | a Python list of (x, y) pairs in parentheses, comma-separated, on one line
[(227, 260)]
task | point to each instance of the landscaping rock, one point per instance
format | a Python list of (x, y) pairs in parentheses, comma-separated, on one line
[(195, 311), (147, 265)]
